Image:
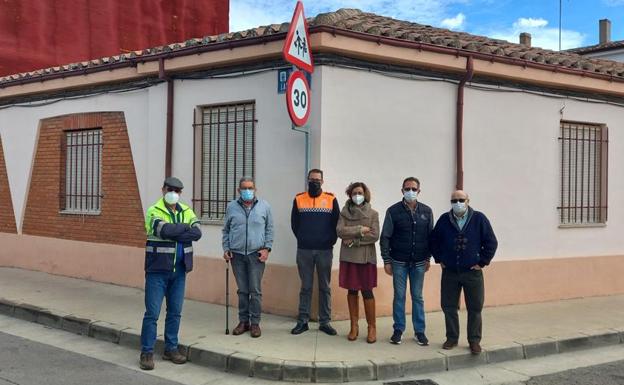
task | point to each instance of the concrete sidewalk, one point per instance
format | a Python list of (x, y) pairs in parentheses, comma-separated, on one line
[(114, 313)]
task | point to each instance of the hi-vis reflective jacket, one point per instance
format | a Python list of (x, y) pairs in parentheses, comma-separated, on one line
[(165, 231)]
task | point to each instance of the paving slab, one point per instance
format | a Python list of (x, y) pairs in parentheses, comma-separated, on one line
[(114, 313)]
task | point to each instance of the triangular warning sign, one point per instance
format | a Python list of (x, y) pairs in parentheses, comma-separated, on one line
[(297, 47)]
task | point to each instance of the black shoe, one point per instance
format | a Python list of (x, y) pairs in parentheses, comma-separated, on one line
[(396, 337), (300, 328), (448, 344), (328, 329), (421, 339)]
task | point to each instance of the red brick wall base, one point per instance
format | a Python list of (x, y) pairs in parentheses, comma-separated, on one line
[(7, 215), (121, 219)]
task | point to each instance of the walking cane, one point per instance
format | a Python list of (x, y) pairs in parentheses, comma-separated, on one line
[(227, 297)]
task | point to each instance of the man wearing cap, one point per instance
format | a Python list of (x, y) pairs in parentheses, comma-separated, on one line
[(171, 228)]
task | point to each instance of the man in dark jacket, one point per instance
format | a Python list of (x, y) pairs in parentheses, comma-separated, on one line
[(463, 243), (313, 220), (405, 251)]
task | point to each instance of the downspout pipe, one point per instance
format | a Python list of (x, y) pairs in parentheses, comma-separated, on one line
[(169, 132), (459, 183)]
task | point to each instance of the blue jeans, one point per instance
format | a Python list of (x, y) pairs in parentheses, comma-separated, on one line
[(158, 286), (248, 271), (400, 274)]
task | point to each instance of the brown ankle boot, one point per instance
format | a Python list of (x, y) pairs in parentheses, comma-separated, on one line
[(369, 309), (352, 301)]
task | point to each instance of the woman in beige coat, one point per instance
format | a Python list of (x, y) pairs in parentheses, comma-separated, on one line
[(358, 227)]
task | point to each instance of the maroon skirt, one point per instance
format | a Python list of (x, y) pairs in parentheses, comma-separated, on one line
[(357, 276)]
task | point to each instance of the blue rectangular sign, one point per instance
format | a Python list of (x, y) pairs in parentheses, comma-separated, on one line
[(282, 79)]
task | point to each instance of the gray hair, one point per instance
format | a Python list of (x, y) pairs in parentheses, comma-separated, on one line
[(246, 179)]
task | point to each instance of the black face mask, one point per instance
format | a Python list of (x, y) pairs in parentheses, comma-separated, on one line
[(314, 189)]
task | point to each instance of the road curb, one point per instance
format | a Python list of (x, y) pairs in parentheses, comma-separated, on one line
[(269, 368)]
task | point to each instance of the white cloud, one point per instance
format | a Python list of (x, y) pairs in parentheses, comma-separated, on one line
[(541, 35), (246, 14), (456, 22), (613, 3), (530, 22)]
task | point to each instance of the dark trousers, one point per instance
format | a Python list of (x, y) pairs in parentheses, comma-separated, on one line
[(452, 284), (307, 261), (248, 271)]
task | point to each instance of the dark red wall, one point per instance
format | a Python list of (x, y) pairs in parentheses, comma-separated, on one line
[(36, 34)]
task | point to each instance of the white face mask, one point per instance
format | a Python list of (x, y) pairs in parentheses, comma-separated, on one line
[(410, 195), (358, 199), (459, 207), (172, 197)]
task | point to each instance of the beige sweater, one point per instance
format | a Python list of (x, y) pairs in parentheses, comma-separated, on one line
[(357, 247)]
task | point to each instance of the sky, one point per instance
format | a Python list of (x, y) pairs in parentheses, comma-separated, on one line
[(501, 19)]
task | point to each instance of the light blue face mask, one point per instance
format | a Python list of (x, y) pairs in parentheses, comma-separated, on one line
[(247, 194), (410, 195), (459, 208)]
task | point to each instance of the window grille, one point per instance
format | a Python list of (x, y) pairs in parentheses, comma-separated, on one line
[(583, 153), (81, 188), (227, 134)]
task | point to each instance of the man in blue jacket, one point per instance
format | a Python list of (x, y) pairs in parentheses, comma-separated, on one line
[(404, 244), (247, 242), (463, 243)]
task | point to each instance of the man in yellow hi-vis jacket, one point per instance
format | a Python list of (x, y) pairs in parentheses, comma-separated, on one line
[(171, 228)]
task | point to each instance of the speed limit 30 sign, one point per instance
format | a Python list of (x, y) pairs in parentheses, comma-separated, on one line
[(298, 98)]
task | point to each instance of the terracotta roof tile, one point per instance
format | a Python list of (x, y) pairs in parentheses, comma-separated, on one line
[(369, 23), (612, 45)]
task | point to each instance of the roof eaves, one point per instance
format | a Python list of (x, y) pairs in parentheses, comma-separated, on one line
[(585, 68), (614, 45)]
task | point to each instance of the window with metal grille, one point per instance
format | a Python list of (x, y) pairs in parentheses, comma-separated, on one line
[(227, 134), (583, 150), (81, 187)]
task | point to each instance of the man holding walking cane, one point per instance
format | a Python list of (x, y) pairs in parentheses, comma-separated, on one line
[(247, 241)]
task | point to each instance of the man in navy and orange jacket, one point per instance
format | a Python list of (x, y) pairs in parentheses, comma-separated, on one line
[(313, 220)]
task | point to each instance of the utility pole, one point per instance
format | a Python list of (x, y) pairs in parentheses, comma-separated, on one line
[(560, 1)]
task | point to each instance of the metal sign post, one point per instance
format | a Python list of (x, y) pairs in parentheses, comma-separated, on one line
[(297, 51)]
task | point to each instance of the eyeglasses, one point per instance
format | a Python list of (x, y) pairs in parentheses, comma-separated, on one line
[(458, 200), (315, 180), (415, 189), (170, 189)]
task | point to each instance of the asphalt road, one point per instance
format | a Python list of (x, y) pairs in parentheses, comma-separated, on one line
[(24, 362), (606, 374)]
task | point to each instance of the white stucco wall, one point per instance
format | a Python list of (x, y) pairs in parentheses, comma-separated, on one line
[(144, 111), (512, 163), (280, 152), (372, 128), (380, 129)]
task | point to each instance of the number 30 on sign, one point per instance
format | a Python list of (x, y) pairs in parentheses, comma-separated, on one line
[(298, 98)]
